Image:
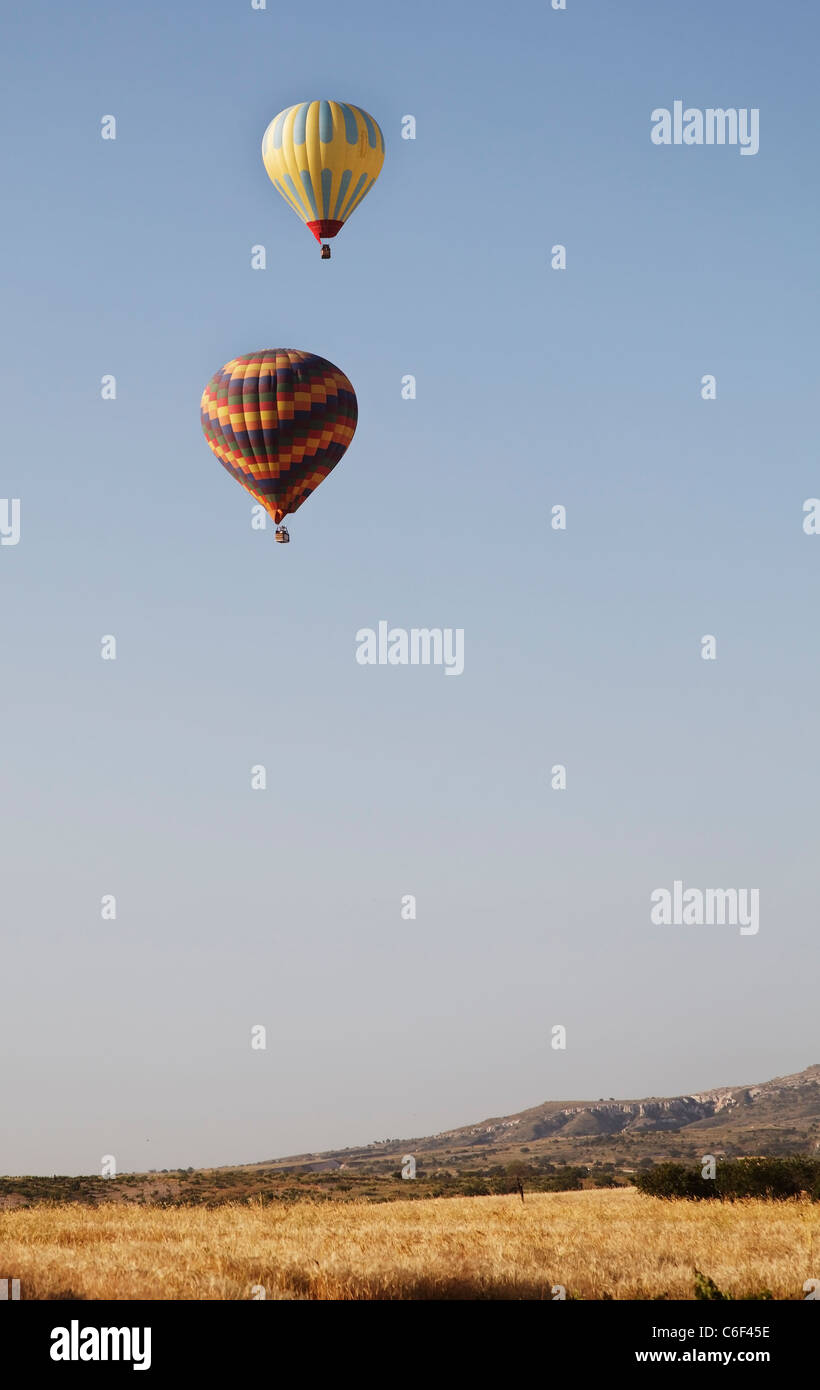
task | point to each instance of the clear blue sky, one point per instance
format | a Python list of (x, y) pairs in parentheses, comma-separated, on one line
[(535, 387)]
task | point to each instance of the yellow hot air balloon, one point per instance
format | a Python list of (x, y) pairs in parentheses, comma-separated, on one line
[(323, 157)]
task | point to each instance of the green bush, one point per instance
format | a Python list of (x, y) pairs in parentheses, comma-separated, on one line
[(775, 1179)]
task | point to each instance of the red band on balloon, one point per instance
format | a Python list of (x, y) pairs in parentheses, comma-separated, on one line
[(327, 228)]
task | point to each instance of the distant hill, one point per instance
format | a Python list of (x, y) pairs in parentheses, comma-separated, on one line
[(556, 1146), (771, 1117)]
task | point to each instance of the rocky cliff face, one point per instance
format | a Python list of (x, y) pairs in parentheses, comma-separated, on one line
[(786, 1093), (781, 1116)]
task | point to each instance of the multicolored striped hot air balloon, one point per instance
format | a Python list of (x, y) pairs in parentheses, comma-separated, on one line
[(323, 157), (279, 421)]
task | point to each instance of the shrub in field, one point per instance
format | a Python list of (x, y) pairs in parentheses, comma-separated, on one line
[(675, 1180), (775, 1179), (706, 1288)]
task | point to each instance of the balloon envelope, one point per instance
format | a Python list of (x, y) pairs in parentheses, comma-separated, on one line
[(279, 421), (323, 157)]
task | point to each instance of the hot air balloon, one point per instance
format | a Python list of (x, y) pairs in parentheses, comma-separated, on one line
[(323, 157), (279, 421)]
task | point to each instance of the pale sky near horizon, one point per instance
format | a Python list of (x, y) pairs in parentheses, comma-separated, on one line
[(535, 387)]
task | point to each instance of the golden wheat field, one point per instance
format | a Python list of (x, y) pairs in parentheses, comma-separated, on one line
[(609, 1244)]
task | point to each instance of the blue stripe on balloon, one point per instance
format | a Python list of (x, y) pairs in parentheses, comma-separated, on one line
[(282, 188), (351, 125), (371, 129), (294, 190), (278, 127), (325, 122), (343, 187), (308, 187), (327, 180), (352, 199), (299, 124)]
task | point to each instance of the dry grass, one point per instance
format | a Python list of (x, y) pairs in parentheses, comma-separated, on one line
[(608, 1244)]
